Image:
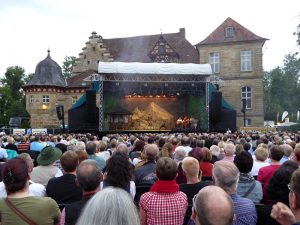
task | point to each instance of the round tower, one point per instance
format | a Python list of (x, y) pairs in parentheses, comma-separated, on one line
[(43, 92)]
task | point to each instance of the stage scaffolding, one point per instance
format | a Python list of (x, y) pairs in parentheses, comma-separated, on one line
[(161, 80)]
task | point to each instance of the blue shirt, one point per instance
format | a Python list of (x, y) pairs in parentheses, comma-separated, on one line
[(37, 146), (244, 210)]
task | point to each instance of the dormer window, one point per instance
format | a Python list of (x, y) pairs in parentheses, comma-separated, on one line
[(229, 32)]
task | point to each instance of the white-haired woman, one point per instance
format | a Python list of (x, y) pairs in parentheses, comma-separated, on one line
[(116, 207)]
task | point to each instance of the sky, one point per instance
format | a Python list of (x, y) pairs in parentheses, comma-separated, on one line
[(29, 27)]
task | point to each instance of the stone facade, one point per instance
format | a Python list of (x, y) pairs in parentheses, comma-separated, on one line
[(234, 79), (229, 50)]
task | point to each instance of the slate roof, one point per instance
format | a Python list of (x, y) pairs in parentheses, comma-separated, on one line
[(137, 49), (240, 34), (47, 73), (76, 81)]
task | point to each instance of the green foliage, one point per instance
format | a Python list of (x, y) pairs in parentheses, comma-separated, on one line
[(282, 88), (68, 64), (12, 100)]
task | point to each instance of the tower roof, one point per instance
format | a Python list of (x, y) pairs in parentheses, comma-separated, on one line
[(48, 73), (240, 33)]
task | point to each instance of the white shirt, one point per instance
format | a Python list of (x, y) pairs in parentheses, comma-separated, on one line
[(35, 189), (256, 166)]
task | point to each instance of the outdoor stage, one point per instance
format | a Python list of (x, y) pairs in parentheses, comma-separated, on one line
[(146, 97)]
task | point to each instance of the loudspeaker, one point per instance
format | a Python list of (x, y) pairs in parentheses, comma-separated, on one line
[(91, 108), (215, 106), (60, 111)]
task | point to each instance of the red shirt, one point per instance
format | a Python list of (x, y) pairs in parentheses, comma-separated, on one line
[(23, 146), (164, 208), (206, 168), (264, 176)]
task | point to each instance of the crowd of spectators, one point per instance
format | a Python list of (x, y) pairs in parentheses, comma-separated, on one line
[(150, 178)]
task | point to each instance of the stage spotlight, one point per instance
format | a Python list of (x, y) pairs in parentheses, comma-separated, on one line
[(177, 93)]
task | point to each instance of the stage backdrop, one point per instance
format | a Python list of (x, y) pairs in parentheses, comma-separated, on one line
[(152, 113)]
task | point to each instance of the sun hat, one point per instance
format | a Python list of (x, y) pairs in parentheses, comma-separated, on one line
[(48, 155)]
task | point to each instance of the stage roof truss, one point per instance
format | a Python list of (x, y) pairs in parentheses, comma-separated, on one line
[(154, 78)]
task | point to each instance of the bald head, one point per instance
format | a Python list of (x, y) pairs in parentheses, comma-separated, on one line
[(213, 206), (122, 148), (151, 151), (226, 176)]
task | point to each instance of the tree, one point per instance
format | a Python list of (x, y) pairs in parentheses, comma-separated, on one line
[(14, 79), (12, 101), (282, 88), (68, 64)]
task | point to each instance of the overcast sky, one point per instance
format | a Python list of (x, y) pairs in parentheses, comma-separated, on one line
[(29, 27)]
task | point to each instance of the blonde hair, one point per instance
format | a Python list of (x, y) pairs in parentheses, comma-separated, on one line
[(190, 166)]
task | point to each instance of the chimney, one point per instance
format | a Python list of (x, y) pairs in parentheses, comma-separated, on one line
[(182, 32)]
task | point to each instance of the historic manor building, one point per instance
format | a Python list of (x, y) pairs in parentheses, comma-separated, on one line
[(234, 52)]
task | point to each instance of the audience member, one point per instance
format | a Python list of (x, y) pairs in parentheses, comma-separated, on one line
[(260, 156), (88, 176), (225, 176), (206, 166), (164, 203), (63, 189), (116, 208), (281, 212), (215, 152), (46, 170), (35, 189), (37, 210), (213, 206), (190, 167), (265, 173), (145, 174), (247, 187), (91, 150), (277, 191), (229, 150), (119, 173), (10, 144), (24, 145)]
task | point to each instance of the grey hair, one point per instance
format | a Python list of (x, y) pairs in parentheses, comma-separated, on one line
[(110, 206), (226, 176)]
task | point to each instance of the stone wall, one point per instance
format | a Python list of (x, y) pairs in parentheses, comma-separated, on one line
[(44, 114)]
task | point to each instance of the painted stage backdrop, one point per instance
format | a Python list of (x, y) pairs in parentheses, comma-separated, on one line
[(152, 113)]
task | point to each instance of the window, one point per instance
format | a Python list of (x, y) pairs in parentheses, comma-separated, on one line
[(31, 99), (229, 32), (74, 99), (246, 61), (246, 94), (214, 61), (46, 99), (248, 122)]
